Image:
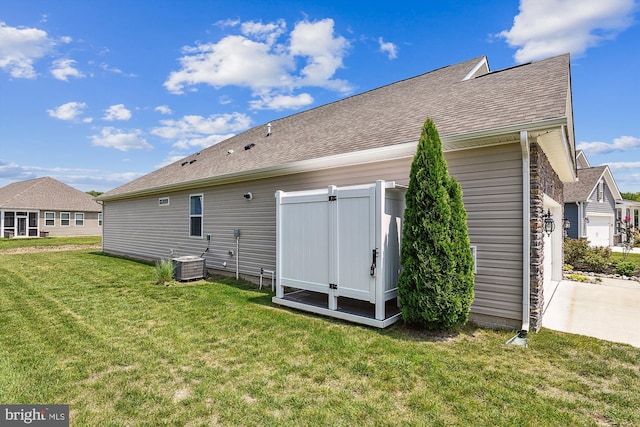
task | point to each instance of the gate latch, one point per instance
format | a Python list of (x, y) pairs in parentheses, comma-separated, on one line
[(373, 262)]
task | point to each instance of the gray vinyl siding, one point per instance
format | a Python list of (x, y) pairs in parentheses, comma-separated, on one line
[(90, 227), (491, 180), (608, 206), (571, 213)]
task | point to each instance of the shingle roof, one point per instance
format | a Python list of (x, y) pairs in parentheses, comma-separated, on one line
[(386, 116), (46, 193), (580, 191)]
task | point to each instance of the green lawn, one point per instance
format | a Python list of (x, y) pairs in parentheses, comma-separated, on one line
[(93, 332), (7, 244)]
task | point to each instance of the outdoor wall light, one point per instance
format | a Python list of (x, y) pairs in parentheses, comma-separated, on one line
[(566, 223), (549, 224)]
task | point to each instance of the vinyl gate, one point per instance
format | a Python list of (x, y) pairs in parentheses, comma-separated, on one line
[(339, 246)]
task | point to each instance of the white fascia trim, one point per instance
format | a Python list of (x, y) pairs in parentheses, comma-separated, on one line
[(474, 70), (567, 150), (611, 182)]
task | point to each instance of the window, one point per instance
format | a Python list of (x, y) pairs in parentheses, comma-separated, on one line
[(100, 219), (50, 219), (79, 220), (601, 191), (9, 219), (195, 215), (163, 201), (65, 219), (33, 219)]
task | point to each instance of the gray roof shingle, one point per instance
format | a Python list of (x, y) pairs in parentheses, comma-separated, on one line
[(581, 190), (389, 115), (46, 193)]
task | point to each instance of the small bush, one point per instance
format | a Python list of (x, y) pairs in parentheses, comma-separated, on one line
[(626, 268), (597, 259), (637, 239), (574, 250), (163, 272), (567, 267)]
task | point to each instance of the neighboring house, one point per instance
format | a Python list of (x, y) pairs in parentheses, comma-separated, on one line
[(47, 207), (507, 137), (590, 204), (624, 209)]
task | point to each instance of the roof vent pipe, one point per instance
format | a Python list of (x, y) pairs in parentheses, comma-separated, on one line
[(268, 129)]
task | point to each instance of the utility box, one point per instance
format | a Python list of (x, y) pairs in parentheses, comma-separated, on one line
[(338, 251), (188, 267)]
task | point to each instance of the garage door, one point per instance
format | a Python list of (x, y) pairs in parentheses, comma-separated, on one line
[(598, 230)]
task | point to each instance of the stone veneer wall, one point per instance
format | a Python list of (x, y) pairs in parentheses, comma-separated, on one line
[(544, 180)]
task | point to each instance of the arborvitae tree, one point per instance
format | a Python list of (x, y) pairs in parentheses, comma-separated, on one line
[(435, 288)]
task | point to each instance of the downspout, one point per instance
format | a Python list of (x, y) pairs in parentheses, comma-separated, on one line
[(580, 219), (526, 238)]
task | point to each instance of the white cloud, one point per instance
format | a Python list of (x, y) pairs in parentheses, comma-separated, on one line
[(68, 111), (198, 131), (281, 102), (234, 60), (324, 53), (268, 33), (124, 141), (62, 69), (20, 48), (623, 165), (170, 159), (255, 59), (622, 143), (389, 48), (117, 112), (115, 70), (163, 109), (546, 28)]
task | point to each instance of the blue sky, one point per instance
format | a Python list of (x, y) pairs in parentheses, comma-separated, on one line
[(97, 93)]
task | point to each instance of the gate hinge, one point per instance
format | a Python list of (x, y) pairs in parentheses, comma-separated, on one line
[(333, 198), (333, 286)]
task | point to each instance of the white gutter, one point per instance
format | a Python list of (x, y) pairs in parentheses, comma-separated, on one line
[(526, 232)]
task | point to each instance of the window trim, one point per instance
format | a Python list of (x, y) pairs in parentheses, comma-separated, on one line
[(75, 219), (46, 220), (62, 224), (201, 216), (600, 192)]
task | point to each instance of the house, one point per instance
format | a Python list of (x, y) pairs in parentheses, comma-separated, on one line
[(507, 136), (47, 207), (627, 209), (590, 204)]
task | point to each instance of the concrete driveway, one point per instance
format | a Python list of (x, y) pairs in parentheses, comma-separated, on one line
[(609, 310)]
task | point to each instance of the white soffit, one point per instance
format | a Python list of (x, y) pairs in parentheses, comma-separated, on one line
[(553, 144)]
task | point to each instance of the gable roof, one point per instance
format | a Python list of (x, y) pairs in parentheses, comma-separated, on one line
[(588, 179), (465, 100), (46, 194), (581, 160)]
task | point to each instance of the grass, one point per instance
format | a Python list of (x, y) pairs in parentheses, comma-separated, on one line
[(93, 331), (618, 256), (16, 243)]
